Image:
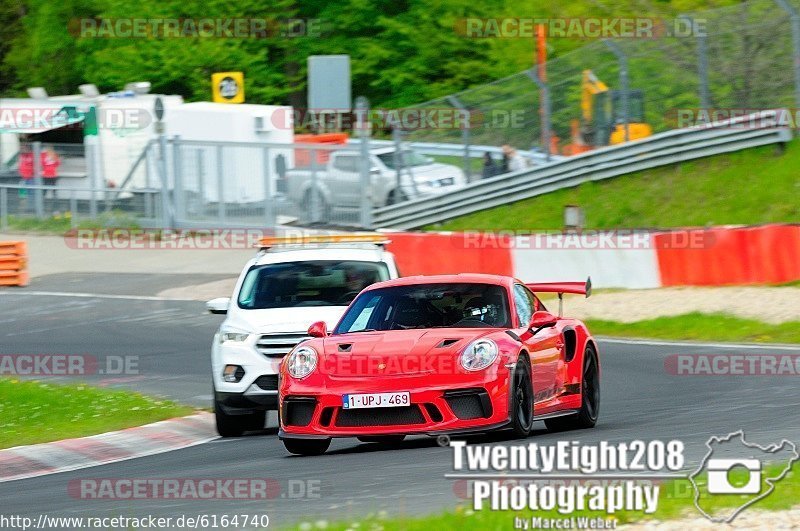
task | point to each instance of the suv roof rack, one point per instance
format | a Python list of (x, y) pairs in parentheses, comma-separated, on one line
[(314, 240)]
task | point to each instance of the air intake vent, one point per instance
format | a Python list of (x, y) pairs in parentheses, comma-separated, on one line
[(447, 343)]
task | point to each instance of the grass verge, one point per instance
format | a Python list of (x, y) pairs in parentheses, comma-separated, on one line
[(701, 327), (35, 412), (752, 186), (675, 501)]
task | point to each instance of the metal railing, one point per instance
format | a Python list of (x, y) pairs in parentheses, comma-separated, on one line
[(665, 148)]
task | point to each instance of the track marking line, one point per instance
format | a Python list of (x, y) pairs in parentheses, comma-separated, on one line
[(763, 346), (95, 295)]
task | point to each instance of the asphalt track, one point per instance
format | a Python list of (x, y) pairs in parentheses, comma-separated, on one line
[(640, 400)]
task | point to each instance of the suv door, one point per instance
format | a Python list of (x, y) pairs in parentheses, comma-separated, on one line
[(344, 180)]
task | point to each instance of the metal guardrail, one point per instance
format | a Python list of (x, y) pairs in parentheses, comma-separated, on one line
[(457, 150), (658, 150)]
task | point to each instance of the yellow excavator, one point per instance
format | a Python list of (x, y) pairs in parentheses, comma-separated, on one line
[(602, 120)]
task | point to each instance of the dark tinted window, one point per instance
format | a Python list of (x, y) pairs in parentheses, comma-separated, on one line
[(314, 283), (428, 306)]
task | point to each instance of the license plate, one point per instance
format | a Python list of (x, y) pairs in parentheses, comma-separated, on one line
[(360, 401)]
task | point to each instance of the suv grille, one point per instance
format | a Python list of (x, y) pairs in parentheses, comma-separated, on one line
[(279, 345)]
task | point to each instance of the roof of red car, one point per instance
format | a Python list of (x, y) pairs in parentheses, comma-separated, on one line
[(469, 278)]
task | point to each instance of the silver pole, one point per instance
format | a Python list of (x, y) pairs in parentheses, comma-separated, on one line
[(166, 206), (3, 208), (38, 199), (220, 185), (794, 17), (177, 185), (269, 212), (545, 103), (363, 124)]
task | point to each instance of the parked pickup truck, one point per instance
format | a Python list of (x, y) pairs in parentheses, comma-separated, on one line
[(337, 184)]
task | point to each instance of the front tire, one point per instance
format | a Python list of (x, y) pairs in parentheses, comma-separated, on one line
[(590, 401), (307, 446), (521, 400)]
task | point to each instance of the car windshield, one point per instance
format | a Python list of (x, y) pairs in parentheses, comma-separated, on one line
[(462, 305), (409, 158), (312, 283)]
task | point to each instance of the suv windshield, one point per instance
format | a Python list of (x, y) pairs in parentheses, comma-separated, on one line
[(312, 283), (407, 158), (464, 305)]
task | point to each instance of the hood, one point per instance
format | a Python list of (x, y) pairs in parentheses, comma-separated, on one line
[(397, 352), (271, 320)]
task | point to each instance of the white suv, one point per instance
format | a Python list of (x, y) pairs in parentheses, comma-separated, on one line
[(279, 294)]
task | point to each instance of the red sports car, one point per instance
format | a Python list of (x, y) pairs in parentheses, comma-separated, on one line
[(445, 354)]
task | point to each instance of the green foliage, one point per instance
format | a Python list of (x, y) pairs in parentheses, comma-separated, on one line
[(402, 52)]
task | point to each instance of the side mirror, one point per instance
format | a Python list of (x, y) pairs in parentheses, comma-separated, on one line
[(318, 329), (542, 319), (218, 306)]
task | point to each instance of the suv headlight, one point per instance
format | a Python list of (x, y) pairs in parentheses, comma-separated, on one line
[(231, 334), (301, 362), (479, 354)]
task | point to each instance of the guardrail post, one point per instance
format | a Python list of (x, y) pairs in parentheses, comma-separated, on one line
[(794, 17), (38, 193), (92, 155), (545, 108), (622, 59), (363, 125)]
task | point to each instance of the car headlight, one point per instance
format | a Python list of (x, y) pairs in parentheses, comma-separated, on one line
[(237, 336), (479, 354), (301, 362)]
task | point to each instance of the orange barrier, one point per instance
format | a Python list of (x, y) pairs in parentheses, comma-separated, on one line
[(437, 253), (302, 157), (13, 264), (749, 255)]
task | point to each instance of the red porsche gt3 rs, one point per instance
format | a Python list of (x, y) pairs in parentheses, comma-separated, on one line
[(446, 354)]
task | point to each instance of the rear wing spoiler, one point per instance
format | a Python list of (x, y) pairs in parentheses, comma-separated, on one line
[(579, 288)]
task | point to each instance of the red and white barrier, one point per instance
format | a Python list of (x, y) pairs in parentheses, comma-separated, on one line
[(687, 257)]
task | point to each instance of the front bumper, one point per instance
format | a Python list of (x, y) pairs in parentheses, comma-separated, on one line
[(475, 403)]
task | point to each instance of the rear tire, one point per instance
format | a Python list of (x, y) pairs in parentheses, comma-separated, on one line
[(521, 400), (236, 425), (307, 446), (590, 401), (386, 439), (395, 197)]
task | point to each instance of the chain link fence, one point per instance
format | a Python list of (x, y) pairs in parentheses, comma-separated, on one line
[(732, 59)]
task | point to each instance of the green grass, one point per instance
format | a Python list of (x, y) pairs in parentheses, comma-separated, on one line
[(757, 185), (61, 223), (36, 412), (701, 327), (675, 501)]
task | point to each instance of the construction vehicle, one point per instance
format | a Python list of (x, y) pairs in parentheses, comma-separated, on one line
[(603, 118)]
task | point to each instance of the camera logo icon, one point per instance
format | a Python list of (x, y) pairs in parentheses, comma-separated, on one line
[(723, 475), (733, 467)]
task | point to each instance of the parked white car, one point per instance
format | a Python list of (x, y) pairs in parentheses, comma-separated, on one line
[(278, 295), (338, 183)]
